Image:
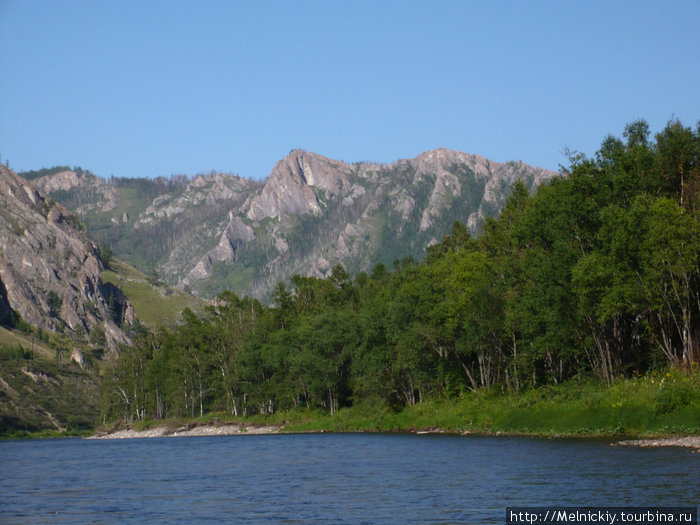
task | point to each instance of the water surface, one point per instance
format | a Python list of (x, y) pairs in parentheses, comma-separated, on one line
[(330, 478)]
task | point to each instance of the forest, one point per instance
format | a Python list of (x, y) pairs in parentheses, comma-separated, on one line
[(596, 276)]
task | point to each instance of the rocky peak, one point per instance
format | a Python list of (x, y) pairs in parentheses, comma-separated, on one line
[(210, 231), (377, 203), (319, 171), (288, 190), (442, 161)]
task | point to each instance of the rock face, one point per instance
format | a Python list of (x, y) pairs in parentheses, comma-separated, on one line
[(289, 190), (63, 181), (72, 184), (219, 231), (235, 234), (50, 269)]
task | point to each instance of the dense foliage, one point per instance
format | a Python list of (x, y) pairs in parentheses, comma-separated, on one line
[(597, 274)]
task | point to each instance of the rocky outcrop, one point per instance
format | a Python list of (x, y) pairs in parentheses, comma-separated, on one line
[(363, 213), (235, 234), (49, 267), (84, 190), (189, 221), (310, 214), (469, 178), (289, 189), (61, 181)]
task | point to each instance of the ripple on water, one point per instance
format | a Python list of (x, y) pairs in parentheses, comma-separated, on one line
[(321, 478)]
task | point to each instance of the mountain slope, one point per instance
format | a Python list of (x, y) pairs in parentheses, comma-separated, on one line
[(155, 304), (219, 231), (43, 389), (50, 269), (315, 212)]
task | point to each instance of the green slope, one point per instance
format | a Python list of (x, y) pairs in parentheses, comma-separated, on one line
[(13, 338), (41, 389), (155, 304)]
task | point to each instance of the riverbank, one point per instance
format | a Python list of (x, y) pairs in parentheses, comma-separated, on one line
[(239, 429), (688, 441), (654, 410), (654, 406), (189, 430), (651, 407)]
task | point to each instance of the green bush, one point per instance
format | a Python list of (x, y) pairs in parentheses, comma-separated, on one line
[(677, 391), (18, 352), (54, 302)]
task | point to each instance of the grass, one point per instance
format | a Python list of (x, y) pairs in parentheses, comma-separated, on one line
[(661, 404), (23, 434), (13, 338), (154, 305), (130, 201), (39, 395)]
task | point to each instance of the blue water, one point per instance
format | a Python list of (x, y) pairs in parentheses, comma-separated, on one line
[(330, 478)]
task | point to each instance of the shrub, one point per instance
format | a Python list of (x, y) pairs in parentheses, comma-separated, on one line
[(677, 391)]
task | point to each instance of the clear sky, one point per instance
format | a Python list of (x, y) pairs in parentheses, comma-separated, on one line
[(149, 88)]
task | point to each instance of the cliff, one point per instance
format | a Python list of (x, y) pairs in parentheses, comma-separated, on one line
[(50, 269)]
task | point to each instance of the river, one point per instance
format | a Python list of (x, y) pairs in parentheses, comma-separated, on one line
[(330, 478)]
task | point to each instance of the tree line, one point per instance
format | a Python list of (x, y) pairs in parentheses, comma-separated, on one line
[(596, 275)]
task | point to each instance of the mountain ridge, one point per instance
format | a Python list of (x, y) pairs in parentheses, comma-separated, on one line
[(219, 231)]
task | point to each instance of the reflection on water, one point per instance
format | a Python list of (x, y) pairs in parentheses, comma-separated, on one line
[(330, 478)]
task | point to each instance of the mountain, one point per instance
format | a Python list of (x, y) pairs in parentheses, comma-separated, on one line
[(219, 231), (153, 224), (50, 270)]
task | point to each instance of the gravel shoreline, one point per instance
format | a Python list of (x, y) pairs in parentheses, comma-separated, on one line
[(239, 429), (688, 441), (188, 431)]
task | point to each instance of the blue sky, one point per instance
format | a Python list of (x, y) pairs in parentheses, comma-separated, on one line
[(149, 88)]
